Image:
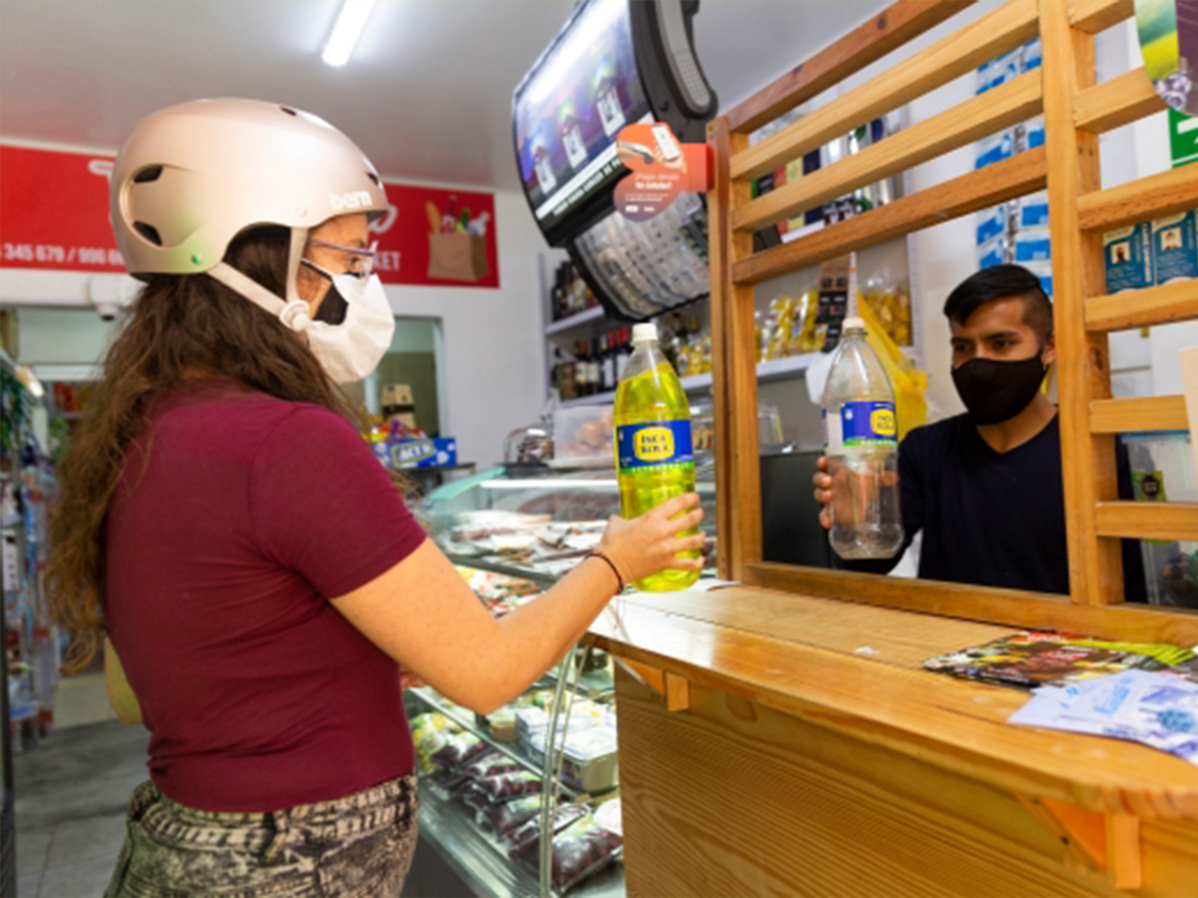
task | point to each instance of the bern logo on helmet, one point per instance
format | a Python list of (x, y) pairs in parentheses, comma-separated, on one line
[(355, 200)]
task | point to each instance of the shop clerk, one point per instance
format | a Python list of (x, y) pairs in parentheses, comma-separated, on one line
[(985, 487), (256, 569)]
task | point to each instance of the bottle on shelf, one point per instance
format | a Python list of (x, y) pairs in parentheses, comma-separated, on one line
[(596, 374), (861, 445), (609, 362), (654, 449), (581, 369)]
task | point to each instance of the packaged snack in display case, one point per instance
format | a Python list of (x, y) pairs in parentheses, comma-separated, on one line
[(583, 437), (890, 302), (459, 748), (524, 841), (430, 734), (509, 816), (500, 787), (492, 763), (590, 761), (582, 850)]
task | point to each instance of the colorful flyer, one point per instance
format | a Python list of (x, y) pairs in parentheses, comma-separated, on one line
[(661, 168)]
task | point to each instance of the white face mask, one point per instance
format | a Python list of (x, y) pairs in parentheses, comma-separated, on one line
[(348, 351)]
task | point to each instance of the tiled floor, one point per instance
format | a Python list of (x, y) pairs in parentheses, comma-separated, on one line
[(71, 795)]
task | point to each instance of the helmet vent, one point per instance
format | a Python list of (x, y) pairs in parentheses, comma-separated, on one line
[(148, 174), (148, 231), (288, 110), (373, 177)]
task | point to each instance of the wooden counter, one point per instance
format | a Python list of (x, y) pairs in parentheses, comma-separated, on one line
[(781, 744)]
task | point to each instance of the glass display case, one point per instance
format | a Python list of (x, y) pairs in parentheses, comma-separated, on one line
[(484, 780), (538, 524)]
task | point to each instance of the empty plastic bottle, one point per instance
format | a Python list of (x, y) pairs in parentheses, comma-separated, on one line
[(861, 445)]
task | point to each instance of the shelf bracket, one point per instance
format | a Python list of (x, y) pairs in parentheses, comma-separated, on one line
[(1095, 843), (675, 689)]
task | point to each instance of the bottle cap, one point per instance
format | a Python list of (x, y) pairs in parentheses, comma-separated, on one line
[(857, 324), (644, 333)]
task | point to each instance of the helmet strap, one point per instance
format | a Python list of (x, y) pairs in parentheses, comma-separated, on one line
[(294, 314), (299, 240)]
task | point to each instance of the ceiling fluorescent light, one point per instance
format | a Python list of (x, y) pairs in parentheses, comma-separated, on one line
[(350, 22)]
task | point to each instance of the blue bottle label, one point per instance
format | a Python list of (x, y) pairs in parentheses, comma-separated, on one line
[(862, 425), (654, 444)]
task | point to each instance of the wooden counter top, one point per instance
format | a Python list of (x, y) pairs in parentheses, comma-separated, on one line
[(856, 669)]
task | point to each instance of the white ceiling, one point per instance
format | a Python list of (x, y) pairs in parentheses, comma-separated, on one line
[(427, 93)]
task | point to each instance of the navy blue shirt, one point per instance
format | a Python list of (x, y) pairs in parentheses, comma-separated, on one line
[(988, 518)]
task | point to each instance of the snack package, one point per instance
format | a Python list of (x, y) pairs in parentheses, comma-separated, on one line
[(500, 787), (492, 763), (580, 851), (430, 733), (510, 815), (523, 841), (459, 748)]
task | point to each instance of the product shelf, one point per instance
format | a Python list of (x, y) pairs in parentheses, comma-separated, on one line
[(483, 864), (767, 372), (577, 322), (482, 563), (432, 700)]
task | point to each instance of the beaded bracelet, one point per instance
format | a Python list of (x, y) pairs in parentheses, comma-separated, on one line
[(615, 570)]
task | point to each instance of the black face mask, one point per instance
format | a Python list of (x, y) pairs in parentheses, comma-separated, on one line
[(995, 391), (332, 308)]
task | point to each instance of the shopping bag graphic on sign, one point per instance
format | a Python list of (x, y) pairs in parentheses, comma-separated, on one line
[(457, 243)]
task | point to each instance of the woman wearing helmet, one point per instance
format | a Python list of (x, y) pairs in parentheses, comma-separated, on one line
[(254, 569)]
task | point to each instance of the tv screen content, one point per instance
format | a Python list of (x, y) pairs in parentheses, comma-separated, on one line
[(572, 105)]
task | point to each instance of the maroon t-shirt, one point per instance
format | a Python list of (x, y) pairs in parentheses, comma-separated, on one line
[(225, 543)]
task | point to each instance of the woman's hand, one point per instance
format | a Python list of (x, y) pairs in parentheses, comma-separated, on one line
[(650, 544)]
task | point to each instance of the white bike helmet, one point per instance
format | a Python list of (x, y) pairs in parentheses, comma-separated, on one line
[(191, 177)]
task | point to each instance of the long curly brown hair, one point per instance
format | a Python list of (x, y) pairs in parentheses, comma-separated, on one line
[(180, 326)]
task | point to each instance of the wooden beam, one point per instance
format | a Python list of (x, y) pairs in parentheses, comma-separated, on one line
[(862, 46), (734, 374), (1018, 176), (678, 693), (1007, 607), (1088, 468), (963, 51), (719, 201), (1141, 200), (966, 122), (1117, 102), (1147, 520), (1093, 16), (1130, 415), (1123, 851), (1176, 301)]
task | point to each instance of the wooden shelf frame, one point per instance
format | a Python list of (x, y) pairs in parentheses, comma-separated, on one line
[(1076, 111)]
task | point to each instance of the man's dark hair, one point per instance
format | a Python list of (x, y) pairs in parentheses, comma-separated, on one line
[(1003, 282)]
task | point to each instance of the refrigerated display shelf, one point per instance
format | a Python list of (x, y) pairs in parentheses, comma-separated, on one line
[(482, 563), (482, 862), (433, 701)]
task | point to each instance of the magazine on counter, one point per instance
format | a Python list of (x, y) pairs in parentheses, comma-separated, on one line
[(1033, 659)]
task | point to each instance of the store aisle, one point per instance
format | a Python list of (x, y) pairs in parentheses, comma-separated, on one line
[(71, 795)]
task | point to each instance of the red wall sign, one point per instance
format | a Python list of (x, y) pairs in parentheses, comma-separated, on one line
[(54, 215)]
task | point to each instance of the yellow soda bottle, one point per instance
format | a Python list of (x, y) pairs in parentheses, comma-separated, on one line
[(655, 458)]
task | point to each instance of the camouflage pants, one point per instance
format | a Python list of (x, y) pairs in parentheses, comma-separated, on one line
[(359, 845)]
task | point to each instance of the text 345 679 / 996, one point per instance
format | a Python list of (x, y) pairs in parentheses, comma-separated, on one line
[(44, 252)]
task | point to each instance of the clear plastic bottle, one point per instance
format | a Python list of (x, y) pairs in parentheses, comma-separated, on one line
[(861, 445), (655, 458)]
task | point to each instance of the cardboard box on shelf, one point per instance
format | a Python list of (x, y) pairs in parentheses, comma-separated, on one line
[(397, 405), (1175, 247)]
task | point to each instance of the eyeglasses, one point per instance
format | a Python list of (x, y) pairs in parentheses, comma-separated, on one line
[(363, 258)]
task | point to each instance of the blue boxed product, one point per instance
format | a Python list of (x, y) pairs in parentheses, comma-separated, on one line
[(1033, 211), (417, 453), (1127, 257), (1174, 247), (1032, 245), (992, 253), (994, 148), (991, 223), (1033, 55)]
